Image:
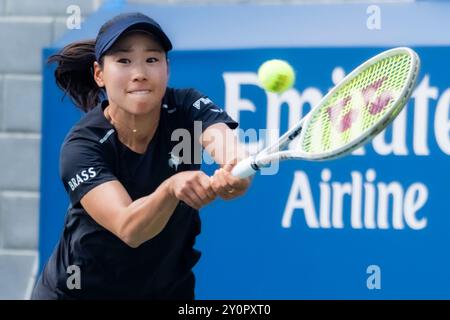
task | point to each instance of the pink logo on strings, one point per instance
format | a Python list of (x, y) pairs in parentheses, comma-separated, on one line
[(345, 121)]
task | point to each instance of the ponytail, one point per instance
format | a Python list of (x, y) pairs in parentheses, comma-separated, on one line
[(74, 74)]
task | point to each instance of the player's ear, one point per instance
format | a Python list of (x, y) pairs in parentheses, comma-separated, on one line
[(98, 74)]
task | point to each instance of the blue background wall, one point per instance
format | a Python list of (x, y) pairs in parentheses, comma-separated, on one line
[(247, 252)]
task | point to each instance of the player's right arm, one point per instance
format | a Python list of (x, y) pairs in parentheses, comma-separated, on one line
[(135, 222)]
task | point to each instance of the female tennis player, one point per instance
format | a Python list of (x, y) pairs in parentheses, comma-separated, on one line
[(133, 216)]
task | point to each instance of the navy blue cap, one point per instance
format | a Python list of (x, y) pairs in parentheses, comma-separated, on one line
[(115, 27)]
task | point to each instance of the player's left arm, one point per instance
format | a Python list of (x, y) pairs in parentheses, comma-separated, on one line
[(222, 144)]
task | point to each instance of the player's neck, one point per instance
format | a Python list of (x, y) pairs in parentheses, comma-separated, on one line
[(135, 132)]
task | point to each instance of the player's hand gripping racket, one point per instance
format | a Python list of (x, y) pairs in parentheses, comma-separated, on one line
[(351, 114)]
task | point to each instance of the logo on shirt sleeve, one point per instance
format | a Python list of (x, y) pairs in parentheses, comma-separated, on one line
[(81, 177), (201, 102)]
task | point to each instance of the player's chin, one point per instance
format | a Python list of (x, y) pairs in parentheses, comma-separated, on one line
[(142, 106)]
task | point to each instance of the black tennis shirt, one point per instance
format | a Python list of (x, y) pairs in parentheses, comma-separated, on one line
[(160, 268)]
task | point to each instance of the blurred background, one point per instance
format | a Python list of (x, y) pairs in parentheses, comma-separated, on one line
[(248, 252)]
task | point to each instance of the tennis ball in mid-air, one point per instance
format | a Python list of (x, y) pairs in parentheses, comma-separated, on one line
[(276, 75)]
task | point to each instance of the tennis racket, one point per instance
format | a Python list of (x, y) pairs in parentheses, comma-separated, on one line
[(351, 114)]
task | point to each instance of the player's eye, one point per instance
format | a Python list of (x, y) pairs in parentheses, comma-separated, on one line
[(152, 60), (124, 60)]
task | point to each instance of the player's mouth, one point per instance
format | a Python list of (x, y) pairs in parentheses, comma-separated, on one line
[(139, 92)]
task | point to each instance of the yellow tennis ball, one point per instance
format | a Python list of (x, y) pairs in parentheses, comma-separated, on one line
[(276, 75)]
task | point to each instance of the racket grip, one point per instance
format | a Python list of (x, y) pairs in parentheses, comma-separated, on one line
[(244, 168)]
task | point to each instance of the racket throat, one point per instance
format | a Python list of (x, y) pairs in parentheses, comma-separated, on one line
[(254, 165)]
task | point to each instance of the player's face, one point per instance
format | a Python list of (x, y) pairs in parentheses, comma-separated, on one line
[(135, 74)]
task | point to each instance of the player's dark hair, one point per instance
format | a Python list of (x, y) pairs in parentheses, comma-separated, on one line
[(75, 74)]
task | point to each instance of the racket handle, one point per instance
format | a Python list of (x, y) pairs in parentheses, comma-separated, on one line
[(245, 168)]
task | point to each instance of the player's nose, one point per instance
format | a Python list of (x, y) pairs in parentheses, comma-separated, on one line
[(139, 75)]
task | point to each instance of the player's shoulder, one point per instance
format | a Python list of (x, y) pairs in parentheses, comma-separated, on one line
[(182, 97)]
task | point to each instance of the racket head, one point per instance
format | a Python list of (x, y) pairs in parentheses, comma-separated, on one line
[(360, 106)]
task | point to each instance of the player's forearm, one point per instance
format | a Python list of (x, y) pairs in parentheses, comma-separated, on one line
[(223, 145), (147, 216), (234, 155)]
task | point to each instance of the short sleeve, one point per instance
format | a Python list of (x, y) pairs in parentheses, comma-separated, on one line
[(200, 107), (83, 166)]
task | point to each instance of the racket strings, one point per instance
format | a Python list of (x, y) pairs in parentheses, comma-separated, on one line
[(358, 105)]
